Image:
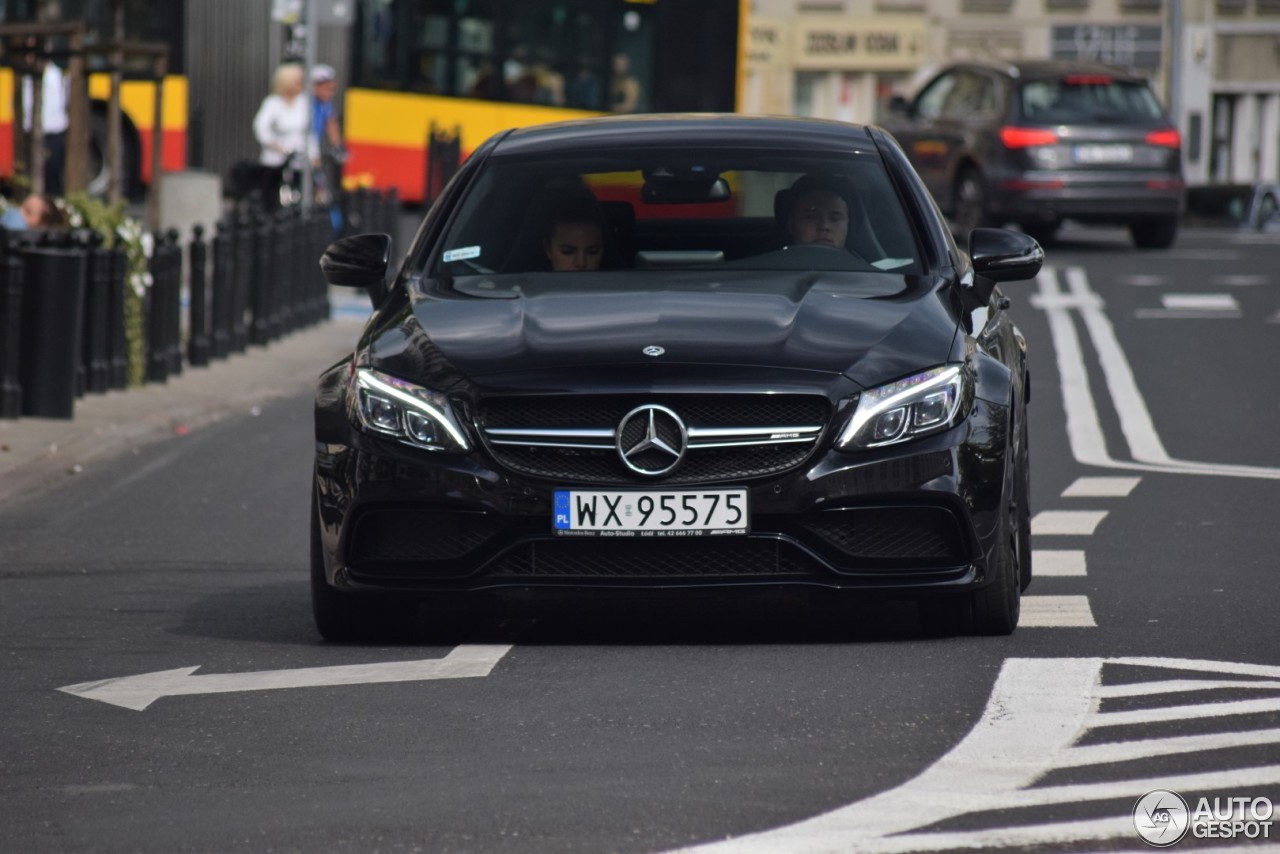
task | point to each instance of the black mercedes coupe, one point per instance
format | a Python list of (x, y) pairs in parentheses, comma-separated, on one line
[(678, 352)]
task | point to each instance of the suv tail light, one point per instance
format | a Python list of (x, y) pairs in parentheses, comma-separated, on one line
[(1016, 137), (1167, 138)]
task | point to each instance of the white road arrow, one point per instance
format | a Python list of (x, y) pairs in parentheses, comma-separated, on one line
[(138, 692)]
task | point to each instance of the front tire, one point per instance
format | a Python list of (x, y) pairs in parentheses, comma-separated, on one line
[(998, 606), (345, 617)]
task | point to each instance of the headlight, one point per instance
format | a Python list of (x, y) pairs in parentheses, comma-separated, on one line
[(906, 409), (410, 413)]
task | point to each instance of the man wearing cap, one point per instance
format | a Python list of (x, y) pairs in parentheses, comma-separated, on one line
[(326, 133), (324, 116)]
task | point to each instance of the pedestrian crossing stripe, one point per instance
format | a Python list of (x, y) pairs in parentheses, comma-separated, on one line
[(1044, 612)]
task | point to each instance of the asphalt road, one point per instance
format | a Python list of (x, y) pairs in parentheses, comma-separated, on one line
[(774, 724)]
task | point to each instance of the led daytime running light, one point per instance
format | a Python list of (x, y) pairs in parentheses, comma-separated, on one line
[(875, 402), (398, 391)]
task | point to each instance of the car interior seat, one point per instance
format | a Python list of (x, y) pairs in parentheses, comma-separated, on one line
[(620, 223)]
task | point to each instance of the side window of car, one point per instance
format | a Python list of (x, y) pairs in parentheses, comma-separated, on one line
[(972, 95), (930, 103)]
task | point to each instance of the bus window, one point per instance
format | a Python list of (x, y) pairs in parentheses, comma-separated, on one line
[(480, 66)]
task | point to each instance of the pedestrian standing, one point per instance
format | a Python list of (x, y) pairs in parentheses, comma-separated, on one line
[(282, 127), (326, 136), (53, 121)]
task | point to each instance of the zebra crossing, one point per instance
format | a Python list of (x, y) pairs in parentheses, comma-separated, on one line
[(1213, 305), (1068, 611), (1052, 736)]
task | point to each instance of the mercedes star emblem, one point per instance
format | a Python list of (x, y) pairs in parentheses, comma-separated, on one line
[(651, 440), (653, 350)]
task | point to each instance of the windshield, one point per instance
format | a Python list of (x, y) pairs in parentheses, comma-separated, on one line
[(1089, 99), (631, 211)]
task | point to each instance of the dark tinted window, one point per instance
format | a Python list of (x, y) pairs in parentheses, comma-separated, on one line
[(1089, 99), (677, 209)]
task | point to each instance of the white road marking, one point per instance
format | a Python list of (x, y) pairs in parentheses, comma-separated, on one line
[(1187, 314), (1194, 710), (138, 692), (1127, 751), (1084, 428), (1044, 612), (1039, 710), (1204, 255), (1183, 686), (1249, 238), (1068, 522), (1101, 487), (1244, 280), (1058, 562), (1204, 302), (1144, 280)]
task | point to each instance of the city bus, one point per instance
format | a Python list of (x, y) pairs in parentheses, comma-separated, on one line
[(144, 21), (466, 69)]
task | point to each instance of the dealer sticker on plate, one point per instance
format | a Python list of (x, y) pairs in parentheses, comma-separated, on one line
[(656, 513)]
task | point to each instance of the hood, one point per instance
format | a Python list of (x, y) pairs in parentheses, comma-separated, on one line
[(867, 326)]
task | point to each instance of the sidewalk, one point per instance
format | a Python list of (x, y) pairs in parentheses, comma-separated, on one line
[(36, 453)]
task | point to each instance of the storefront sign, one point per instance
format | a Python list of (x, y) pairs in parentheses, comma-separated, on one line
[(767, 45), (1133, 45), (872, 44)]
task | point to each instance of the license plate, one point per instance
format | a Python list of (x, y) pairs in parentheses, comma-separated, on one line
[(1103, 153), (651, 513)]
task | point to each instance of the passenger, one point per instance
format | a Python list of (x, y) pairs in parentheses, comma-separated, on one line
[(574, 238)]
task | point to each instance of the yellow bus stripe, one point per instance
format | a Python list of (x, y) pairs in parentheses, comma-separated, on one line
[(401, 119)]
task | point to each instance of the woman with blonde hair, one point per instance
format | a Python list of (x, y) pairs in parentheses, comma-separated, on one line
[(282, 127)]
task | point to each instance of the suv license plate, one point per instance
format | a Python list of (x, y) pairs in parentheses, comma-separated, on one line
[(1122, 153), (655, 513)]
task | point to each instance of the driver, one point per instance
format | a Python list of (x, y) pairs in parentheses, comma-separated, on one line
[(819, 212)]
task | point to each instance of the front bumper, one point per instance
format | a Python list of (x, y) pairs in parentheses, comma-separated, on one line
[(913, 519)]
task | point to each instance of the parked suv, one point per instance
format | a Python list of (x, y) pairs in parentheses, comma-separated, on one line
[(1038, 142)]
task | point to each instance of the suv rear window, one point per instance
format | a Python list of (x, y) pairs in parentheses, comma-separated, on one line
[(1089, 99)]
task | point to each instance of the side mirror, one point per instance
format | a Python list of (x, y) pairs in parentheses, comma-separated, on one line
[(899, 105), (359, 261), (1001, 255)]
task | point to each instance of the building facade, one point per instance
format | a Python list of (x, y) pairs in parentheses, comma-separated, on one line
[(1215, 63)]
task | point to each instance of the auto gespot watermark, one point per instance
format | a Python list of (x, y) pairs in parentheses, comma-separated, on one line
[(1163, 818)]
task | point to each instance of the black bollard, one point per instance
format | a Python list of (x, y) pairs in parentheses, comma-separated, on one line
[(260, 300), (282, 273), (321, 237), (52, 318), (95, 355), (297, 269), (198, 313), (220, 301), (173, 305), (118, 339), (242, 282), (10, 332), (158, 314)]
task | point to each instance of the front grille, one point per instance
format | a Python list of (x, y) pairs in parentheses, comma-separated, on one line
[(685, 559), (419, 534), (879, 533), (731, 436)]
